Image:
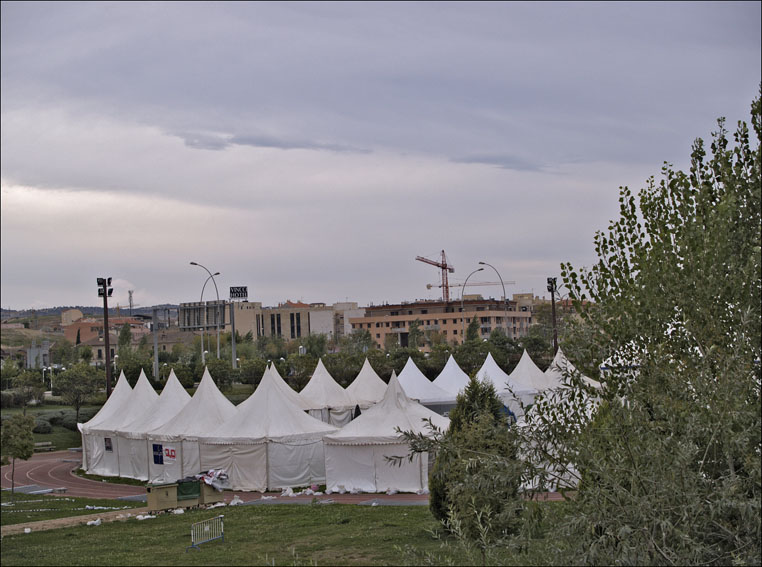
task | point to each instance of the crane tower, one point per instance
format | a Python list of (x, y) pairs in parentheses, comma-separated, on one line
[(445, 267)]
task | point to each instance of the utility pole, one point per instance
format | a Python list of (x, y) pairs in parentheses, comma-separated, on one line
[(105, 292)]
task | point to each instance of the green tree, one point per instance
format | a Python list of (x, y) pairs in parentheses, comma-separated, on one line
[(472, 331), (221, 372), (79, 383), (252, 370), (30, 386), (315, 344), (125, 337), (673, 475), (357, 342), (8, 372), (17, 441), (415, 334), (86, 353), (63, 353)]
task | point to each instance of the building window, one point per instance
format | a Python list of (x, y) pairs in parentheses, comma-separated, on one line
[(293, 327)]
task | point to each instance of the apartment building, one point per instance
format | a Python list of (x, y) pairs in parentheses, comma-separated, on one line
[(450, 319)]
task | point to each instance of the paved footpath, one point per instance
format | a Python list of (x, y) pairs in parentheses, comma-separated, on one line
[(55, 470)]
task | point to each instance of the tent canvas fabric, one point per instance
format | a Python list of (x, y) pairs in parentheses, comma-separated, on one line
[(367, 388), (175, 443), (92, 453), (452, 379), (329, 402), (287, 390), (269, 443), (560, 367), (132, 444), (418, 387), (355, 456), (104, 456)]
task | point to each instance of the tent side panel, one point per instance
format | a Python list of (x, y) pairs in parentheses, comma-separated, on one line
[(390, 476), (349, 467), (133, 458), (244, 464), (295, 465), (103, 451)]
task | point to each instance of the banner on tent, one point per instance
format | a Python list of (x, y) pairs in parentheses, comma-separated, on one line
[(163, 453)]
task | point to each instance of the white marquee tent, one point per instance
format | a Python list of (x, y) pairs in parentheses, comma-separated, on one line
[(174, 445), (287, 390), (418, 387), (103, 445), (270, 442), (355, 456), (94, 456), (135, 451), (561, 367), (367, 388), (452, 379), (328, 401)]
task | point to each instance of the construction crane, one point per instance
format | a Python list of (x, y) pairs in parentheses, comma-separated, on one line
[(445, 267), (130, 292), (429, 286)]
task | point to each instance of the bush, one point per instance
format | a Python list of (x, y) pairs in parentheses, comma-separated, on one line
[(70, 422), (42, 426)]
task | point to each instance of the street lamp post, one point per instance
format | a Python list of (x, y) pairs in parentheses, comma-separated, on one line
[(217, 307), (44, 368), (505, 297), (462, 320)]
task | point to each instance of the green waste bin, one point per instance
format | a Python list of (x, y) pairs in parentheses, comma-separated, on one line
[(188, 493)]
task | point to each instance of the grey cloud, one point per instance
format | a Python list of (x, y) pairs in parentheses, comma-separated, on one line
[(503, 161)]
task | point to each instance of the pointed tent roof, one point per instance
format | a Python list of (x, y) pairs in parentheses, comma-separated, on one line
[(119, 397), (268, 415), (143, 395), (172, 399), (560, 366), (420, 388), (367, 388), (452, 378), (287, 390), (378, 424), (491, 372), (527, 377), (206, 410), (322, 391)]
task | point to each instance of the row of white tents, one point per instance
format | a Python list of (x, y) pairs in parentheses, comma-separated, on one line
[(279, 438)]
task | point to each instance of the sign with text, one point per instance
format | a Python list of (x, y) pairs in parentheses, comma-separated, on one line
[(240, 292), (170, 453)]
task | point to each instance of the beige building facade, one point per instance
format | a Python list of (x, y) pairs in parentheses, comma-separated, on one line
[(290, 320), (450, 319)]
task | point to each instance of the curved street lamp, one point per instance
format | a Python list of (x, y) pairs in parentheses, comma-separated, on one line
[(462, 320), (505, 297), (217, 307)]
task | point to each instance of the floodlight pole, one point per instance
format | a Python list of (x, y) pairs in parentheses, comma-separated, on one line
[(105, 291), (552, 289)]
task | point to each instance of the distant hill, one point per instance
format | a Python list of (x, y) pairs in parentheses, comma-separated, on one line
[(97, 311)]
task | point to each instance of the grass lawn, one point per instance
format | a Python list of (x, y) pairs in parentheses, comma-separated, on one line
[(32, 508), (333, 534)]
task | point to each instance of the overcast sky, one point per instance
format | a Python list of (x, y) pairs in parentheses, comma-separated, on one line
[(312, 150)]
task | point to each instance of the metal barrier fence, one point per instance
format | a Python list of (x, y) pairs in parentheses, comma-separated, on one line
[(205, 531)]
